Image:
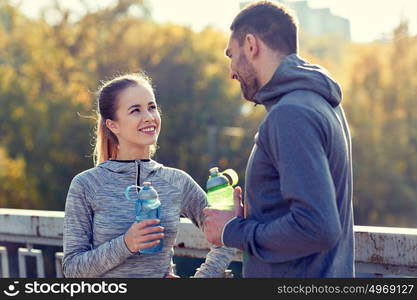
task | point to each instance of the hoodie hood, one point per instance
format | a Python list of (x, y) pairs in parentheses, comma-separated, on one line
[(128, 167), (296, 74)]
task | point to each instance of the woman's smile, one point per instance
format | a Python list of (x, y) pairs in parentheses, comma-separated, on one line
[(149, 130)]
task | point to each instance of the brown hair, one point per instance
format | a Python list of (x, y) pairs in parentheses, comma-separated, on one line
[(106, 142), (273, 23)]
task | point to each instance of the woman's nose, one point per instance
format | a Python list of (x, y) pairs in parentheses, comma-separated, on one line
[(148, 116)]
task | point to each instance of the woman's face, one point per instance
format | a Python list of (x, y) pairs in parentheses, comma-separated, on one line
[(138, 121)]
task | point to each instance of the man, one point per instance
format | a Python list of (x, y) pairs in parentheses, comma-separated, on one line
[(298, 189)]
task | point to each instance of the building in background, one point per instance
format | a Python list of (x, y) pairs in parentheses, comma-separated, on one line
[(316, 21)]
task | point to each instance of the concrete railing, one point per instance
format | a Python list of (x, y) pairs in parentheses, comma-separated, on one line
[(378, 250)]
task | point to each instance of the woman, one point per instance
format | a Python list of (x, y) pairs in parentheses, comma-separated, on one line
[(101, 238)]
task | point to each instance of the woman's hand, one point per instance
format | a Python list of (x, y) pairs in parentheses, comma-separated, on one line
[(142, 235), (171, 275)]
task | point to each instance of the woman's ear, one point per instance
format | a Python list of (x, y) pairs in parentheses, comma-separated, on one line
[(112, 126)]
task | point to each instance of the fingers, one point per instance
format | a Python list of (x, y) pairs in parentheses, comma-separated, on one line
[(148, 244), (140, 241), (237, 197), (150, 233), (153, 229), (143, 235), (145, 227), (238, 192), (151, 237), (146, 223), (171, 275)]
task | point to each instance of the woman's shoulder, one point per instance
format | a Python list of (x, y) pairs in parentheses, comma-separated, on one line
[(87, 177), (174, 171), (175, 176)]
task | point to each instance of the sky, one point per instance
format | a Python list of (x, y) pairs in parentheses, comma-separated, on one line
[(369, 19)]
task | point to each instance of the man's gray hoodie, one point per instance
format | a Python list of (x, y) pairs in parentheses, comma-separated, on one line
[(298, 190)]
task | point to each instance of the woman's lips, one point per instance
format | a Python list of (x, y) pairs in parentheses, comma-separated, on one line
[(148, 130)]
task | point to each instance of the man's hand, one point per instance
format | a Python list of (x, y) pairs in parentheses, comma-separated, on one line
[(237, 196), (216, 219)]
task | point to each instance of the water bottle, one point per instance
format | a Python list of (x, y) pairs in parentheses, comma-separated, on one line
[(147, 207), (220, 188)]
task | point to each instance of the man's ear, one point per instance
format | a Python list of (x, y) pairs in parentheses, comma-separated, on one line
[(251, 46), (112, 125)]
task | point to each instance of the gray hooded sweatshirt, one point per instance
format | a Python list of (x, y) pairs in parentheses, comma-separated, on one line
[(298, 190), (97, 215)]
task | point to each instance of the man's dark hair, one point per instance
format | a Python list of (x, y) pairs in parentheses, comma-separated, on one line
[(273, 23)]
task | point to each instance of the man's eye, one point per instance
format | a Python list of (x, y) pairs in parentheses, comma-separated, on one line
[(152, 107), (135, 110)]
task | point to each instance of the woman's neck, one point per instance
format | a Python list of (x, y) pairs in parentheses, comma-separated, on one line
[(133, 154)]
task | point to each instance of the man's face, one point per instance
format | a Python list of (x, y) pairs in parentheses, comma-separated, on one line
[(242, 70)]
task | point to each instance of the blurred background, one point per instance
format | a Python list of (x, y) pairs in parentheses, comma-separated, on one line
[(55, 54)]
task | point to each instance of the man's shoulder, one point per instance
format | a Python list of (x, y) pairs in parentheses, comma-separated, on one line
[(300, 99), (302, 103)]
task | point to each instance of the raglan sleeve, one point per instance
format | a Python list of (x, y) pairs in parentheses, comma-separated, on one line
[(81, 259), (194, 201)]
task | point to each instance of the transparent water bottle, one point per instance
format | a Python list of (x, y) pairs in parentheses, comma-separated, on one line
[(220, 188), (147, 207)]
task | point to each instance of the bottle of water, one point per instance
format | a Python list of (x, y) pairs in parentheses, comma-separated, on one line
[(147, 207), (220, 188)]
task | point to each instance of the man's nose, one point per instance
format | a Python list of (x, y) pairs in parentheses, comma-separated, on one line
[(233, 75)]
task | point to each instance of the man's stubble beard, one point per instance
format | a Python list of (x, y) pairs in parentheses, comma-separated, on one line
[(249, 83)]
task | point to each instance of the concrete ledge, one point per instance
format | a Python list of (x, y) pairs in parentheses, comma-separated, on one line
[(381, 250), (31, 226), (386, 250)]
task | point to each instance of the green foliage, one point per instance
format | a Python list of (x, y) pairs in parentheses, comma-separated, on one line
[(48, 75), (49, 72)]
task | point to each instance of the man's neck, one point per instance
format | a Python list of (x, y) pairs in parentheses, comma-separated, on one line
[(269, 66)]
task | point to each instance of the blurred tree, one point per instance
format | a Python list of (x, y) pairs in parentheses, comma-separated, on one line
[(382, 110), (15, 187), (50, 70)]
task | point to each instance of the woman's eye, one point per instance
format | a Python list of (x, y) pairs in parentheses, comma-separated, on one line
[(135, 110), (152, 107)]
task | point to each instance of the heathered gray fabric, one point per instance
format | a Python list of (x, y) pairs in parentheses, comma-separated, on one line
[(97, 215)]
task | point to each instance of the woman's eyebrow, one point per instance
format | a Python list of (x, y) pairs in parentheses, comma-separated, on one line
[(138, 105), (134, 105)]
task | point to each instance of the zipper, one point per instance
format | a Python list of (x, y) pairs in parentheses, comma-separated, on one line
[(137, 175)]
